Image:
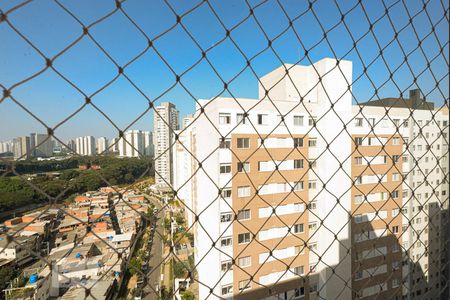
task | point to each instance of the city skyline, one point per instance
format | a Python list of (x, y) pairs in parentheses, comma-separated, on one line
[(52, 99), (232, 150)]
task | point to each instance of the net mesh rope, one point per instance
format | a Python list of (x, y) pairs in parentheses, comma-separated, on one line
[(425, 35)]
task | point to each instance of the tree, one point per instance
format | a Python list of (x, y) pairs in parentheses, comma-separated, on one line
[(179, 219), (187, 295), (6, 275), (179, 269), (135, 264)]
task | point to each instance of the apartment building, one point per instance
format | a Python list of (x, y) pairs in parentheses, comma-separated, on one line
[(6, 147), (102, 145), (41, 145), (21, 147), (85, 145), (184, 165), (71, 146), (136, 143), (288, 203), (165, 123), (114, 145)]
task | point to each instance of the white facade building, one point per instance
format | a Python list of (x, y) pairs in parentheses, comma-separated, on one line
[(102, 145), (136, 143), (85, 145), (308, 163), (165, 123), (6, 147)]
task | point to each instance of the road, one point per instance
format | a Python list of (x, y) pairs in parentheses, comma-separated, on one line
[(154, 273)]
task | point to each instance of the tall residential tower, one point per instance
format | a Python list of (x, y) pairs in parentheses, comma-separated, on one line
[(166, 121), (302, 194)]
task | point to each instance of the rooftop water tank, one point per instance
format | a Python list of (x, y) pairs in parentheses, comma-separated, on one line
[(34, 278)]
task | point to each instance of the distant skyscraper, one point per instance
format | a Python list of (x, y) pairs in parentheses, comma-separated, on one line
[(102, 145), (21, 147), (166, 121), (136, 143), (41, 145), (71, 146), (114, 145), (85, 145), (6, 147), (148, 143)]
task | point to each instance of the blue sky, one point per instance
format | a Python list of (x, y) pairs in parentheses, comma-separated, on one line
[(51, 29)]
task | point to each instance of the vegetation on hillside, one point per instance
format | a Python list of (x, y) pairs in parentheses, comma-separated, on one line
[(16, 192)]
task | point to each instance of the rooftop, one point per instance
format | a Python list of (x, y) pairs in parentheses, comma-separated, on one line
[(414, 102)]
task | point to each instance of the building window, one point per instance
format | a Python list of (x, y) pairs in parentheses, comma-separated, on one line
[(243, 143), (299, 250), (312, 142), (395, 282), (226, 241), (244, 284), (358, 180), (298, 120), (395, 176), (224, 118), (312, 246), (394, 194), (227, 289), (226, 266), (312, 205), (394, 229), (298, 228), (243, 167), (358, 199), (395, 212), (359, 122), (395, 158), (312, 184), (300, 270), (358, 141), (312, 226), (298, 163), (225, 144), (298, 186), (312, 121), (240, 119), (243, 214), (263, 119), (298, 142), (244, 262), (300, 292), (312, 268), (226, 193), (358, 160), (396, 141), (244, 238), (226, 217), (243, 191), (225, 168)]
